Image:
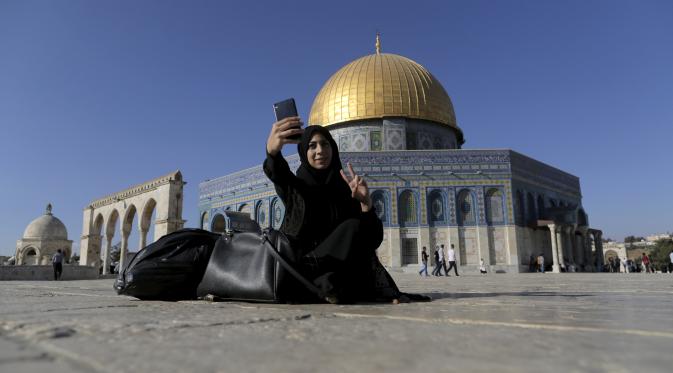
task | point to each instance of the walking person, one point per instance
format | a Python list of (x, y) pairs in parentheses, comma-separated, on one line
[(438, 264), (482, 266), (625, 264), (424, 260), (451, 257), (540, 263), (444, 259), (57, 263), (646, 263), (670, 265)]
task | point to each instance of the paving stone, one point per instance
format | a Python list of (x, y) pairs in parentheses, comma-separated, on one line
[(498, 322)]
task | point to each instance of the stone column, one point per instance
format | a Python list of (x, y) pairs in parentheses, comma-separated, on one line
[(554, 250), (569, 246), (561, 245), (106, 254), (124, 250), (588, 254), (143, 239), (598, 243), (582, 248)]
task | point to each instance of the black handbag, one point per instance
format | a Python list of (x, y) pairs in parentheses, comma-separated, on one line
[(168, 269), (255, 266)]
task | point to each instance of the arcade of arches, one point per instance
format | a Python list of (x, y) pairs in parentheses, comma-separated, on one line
[(161, 197)]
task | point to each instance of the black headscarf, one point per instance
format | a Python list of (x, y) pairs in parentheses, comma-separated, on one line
[(330, 178)]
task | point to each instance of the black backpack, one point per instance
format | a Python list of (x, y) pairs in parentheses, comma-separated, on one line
[(170, 268)]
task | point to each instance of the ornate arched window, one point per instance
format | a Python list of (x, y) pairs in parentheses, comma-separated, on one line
[(245, 208), (407, 206), (494, 207), (465, 207), (261, 214), (436, 207), (379, 203), (277, 213), (204, 220), (218, 225)]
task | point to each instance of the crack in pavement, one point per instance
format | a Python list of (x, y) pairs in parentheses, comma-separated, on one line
[(454, 321), (256, 320)]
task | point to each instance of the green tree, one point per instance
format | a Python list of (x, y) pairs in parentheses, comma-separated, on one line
[(659, 255)]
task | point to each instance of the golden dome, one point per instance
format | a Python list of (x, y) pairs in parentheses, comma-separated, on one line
[(382, 85)]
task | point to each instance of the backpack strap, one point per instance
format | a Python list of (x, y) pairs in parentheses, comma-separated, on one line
[(272, 250)]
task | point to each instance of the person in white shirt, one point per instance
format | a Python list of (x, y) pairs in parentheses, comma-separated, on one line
[(670, 265), (625, 265), (482, 267), (451, 257), (442, 260), (438, 262)]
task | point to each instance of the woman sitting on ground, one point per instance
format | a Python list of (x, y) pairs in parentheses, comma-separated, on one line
[(329, 217)]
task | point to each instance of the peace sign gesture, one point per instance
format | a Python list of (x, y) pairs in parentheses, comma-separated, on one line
[(359, 189)]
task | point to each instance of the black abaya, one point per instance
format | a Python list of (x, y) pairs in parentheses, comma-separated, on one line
[(325, 223)]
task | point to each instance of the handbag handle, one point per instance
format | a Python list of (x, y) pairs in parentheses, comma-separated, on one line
[(272, 250)]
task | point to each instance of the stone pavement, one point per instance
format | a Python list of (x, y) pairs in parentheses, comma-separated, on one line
[(498, 323)]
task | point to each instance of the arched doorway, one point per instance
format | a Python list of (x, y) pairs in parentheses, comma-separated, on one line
[(218, 225), (31, 257)]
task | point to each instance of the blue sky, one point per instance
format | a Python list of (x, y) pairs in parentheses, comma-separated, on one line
[(97, 96)]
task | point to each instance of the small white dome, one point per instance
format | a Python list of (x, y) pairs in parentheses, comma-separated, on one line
[(46, 226)]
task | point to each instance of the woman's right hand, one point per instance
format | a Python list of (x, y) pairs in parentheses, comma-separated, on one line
[(280, 131)]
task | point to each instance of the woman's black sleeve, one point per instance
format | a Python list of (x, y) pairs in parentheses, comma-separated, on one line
[(278, 171), (371, 224)]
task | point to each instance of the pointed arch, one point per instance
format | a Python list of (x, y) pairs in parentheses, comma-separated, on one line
[(494, 206), (277, 213), (111, 223), (245, 208), (436, 207), (146, 216), (380, 205), (98, 224), (261, 214), (204, 220), (466, 207), (218, 225), (408, 208), (129, 215)]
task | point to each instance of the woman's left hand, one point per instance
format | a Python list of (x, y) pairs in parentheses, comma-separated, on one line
[(359, 189)]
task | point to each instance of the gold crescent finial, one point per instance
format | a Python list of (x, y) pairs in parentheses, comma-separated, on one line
[(378, 44)]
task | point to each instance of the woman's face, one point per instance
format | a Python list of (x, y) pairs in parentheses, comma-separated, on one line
[(319, 152)]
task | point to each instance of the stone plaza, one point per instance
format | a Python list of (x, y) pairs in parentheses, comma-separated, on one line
[(582, 322)]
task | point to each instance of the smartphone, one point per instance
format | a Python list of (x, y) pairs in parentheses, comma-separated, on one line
[(284, 109)]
